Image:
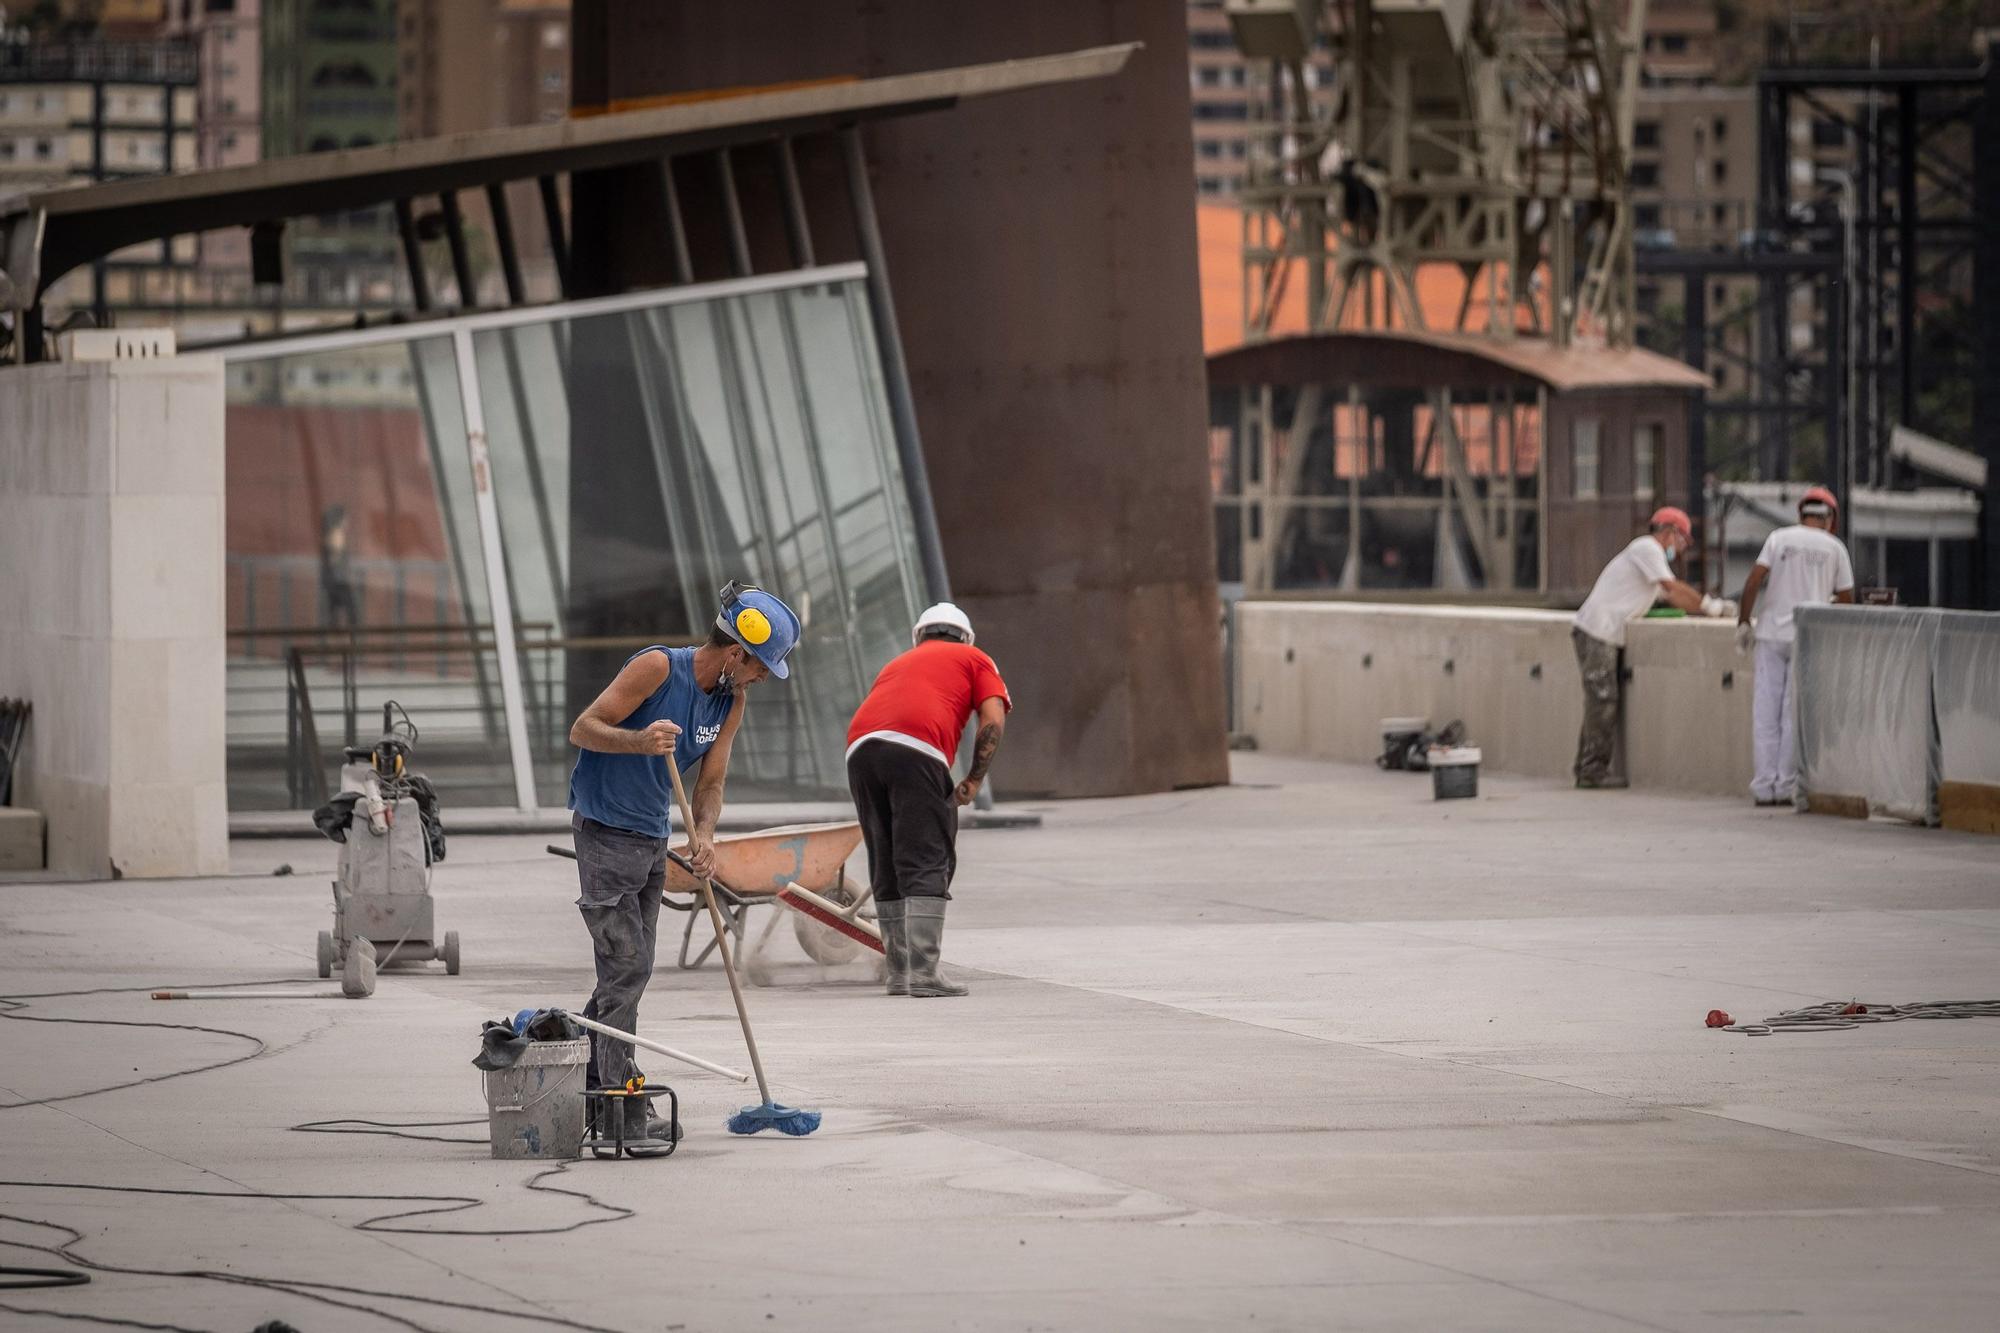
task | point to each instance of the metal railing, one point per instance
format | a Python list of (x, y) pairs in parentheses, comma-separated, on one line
[(459, 713), (276, 598)]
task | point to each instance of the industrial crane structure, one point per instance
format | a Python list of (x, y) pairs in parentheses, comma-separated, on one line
[(1432, 257), (1486, 138)]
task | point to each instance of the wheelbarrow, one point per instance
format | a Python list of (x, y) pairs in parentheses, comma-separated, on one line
[(752, 869)]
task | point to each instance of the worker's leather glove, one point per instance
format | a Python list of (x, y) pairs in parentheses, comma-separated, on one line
[(1746, 637)]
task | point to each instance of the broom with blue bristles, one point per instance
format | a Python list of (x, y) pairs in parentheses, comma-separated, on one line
[(769, 1115)]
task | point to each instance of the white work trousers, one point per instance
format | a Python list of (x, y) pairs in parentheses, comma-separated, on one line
[(1775, 734)]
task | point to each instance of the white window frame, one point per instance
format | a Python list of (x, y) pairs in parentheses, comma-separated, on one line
[(1586, 457), (1652, 435)]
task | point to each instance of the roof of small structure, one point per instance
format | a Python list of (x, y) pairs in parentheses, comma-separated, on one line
[(1401, 359)]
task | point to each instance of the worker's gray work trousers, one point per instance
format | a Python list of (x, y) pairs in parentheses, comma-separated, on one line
[(1598, 661), (622, 874)]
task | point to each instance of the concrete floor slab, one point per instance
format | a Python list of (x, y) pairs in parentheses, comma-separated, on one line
[(1308, 1052)]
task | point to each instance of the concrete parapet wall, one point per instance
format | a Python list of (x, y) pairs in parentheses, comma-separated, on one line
[(1317, 678), (111, 536)]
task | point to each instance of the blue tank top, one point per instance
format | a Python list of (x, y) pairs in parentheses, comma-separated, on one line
[(633, 791)]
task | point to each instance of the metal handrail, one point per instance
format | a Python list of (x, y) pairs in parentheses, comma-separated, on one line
[(305, 761)]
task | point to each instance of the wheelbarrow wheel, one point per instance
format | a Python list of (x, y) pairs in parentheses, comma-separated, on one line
[(328, 955), (450, 953), (823, 944)]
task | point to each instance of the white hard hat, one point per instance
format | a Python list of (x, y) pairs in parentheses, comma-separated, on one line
[(944, 613)]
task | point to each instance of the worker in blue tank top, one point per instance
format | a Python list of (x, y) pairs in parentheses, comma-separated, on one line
[(687, 703)]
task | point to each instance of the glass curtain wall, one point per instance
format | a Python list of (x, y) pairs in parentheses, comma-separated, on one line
[(354, 573), (643, 458), (639, 452)]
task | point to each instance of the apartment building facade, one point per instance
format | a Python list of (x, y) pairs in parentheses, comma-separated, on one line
[(74, 111)]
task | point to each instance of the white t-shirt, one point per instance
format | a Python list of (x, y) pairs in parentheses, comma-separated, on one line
[(1808, 566), (1628, 587)]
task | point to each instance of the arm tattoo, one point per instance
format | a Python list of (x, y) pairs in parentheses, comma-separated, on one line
[(982, 751)]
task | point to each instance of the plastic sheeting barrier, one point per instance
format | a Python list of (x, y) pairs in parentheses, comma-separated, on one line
[(1965, 684), (1892, 701)]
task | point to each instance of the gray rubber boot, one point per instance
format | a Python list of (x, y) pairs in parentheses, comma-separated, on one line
[(923, 925), (895, 946), (646, 1131)]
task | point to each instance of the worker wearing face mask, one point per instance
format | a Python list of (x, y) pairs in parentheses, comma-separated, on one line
[(1637, 576)]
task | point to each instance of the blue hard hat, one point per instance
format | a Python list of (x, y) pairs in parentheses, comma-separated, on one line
[(761, 623)]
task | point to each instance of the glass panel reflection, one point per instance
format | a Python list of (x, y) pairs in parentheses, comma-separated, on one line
[(354, 572), (643, 458)]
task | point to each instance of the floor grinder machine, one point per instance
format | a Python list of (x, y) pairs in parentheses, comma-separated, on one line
[(390, 834)]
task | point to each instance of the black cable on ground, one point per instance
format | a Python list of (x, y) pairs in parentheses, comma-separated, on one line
[(33, 1279), (446, 1204), (12, 1005), (321, 1292), (392, 1129), (111, 1321), (299, 1287), (1840, 1015)]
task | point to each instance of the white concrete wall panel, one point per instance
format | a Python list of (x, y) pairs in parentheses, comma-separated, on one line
[(1317, 678), (111, 532), (1687, 707)]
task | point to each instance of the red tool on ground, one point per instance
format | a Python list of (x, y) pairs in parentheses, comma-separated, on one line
[(828, 914), (1718, 1019)]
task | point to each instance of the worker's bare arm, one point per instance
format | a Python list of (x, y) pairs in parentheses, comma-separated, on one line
[(707, 798), (1751, 587), (596, 728), (1682, 595), (992, 724)]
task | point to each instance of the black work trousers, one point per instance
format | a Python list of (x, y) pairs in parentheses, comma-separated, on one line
[(908, 819)]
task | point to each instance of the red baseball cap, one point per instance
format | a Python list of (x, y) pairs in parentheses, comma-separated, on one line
[(1670, 517)]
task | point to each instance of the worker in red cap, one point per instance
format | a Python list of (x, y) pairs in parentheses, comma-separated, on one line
[(1637, 576), (1800, 565)]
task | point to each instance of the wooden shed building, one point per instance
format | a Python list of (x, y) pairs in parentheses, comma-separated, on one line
[(1397, 461)]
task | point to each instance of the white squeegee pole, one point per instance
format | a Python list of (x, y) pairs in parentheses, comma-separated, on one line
[(667, 1051), (252, 995)]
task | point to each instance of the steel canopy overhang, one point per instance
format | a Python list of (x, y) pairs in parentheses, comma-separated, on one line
[(45, 234), (1420, 360)]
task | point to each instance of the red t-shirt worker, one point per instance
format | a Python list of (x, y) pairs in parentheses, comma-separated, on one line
[(900, 749)]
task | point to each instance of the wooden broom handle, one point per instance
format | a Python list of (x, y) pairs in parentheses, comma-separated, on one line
[(721, 931)]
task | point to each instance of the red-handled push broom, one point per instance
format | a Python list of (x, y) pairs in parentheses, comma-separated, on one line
[(769, 1115)]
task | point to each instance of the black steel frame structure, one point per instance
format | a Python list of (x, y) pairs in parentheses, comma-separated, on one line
[(1885, 251), (1914, 223)]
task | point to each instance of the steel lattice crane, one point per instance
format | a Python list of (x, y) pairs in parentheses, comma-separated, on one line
[(1487, 137)]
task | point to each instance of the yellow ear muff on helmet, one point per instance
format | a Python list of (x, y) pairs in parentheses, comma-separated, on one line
[(752, 627)]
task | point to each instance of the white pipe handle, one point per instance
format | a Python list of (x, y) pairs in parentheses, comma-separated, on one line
[(668, 1051)]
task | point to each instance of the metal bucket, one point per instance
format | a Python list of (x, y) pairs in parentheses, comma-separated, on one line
[(535, 1109), (1454, 773)]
